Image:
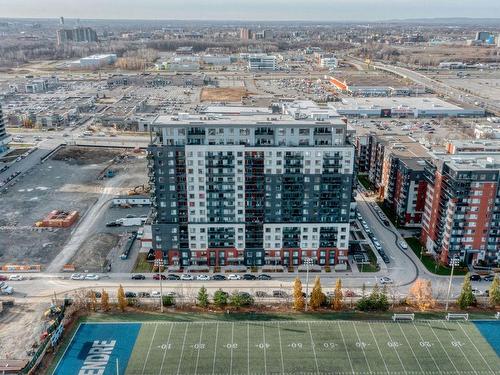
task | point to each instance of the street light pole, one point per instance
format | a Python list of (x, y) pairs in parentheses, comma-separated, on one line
[(449, 285), (307, 262)]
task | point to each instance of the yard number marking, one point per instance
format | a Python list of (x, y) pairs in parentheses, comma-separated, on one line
[(232, 346), (393, 344), (361, 344), (425, 344), (165, 346), (263, 345), (295, 345), (329, 345)]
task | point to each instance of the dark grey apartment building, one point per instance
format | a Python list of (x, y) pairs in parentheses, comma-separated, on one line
[(4, 138), (247, 191)]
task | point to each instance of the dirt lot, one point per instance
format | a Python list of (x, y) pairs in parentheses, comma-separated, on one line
[(68, 182), (20, 327), (225, 94), (91, 256)]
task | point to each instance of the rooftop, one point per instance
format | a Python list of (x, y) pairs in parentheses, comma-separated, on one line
[(420, 102)]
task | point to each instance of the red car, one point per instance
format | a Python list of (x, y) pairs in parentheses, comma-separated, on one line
[(3, 278), (157, 277)]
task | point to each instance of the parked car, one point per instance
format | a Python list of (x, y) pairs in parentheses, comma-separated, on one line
[(233, 277), (91, 276), (143, 295), (385, 280), (386, 222), (477, 292), (263, 276), (77, 276), (173, 277), (130, 294), (403, 245), (155, 294), (489, 277), (113, 224), (218, 277), (249, 276), (260, 293), (475, 277), (3, 278), (138, 277), (187, 277), (385, 258), (16, 277), (203, 277), (279, 294), (157, 276)]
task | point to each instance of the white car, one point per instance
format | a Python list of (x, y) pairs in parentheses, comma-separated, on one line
[(77, 276), (91, 276), (203, 277), (234, 277), (187, 277), (403, 245), (16, 277), (385, 280), (477, 292), (155, 294)]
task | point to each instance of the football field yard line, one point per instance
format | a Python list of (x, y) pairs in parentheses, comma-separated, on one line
[(199, 348), (378, 348), (165, 351), (248, 348), (149, 349), (215, 350), (313, 348), (182, 349), (281, 350), (472, 342), (264, 345), (232, 345), (395, 349), (428, 350), (345, 346), (412, 352), (442, 346), (459, 347), (361, 346)]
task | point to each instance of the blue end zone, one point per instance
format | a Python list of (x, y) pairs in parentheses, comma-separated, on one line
[(491, 332), (95, 348)]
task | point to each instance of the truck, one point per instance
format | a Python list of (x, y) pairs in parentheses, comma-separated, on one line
[(131, 221)]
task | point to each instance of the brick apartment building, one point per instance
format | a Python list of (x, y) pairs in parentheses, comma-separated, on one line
[(250, 192), (462, 208), (395, 166)]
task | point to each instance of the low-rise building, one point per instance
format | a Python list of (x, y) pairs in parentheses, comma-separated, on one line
[(261, 61)]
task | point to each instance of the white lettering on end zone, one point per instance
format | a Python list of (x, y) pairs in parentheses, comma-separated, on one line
[(98, 358)]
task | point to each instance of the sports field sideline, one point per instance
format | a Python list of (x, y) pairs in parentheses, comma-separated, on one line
[(284, 347)]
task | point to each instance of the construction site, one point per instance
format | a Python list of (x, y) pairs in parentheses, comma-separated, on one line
[(57, 213)]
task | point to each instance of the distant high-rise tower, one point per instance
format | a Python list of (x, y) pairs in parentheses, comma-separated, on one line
[(61, 21), (245, 34)]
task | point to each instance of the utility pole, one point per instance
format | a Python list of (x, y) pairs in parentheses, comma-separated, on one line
[(308, 263), (453, 260)]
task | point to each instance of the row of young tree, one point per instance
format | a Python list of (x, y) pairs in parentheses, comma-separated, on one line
[(419, 296)]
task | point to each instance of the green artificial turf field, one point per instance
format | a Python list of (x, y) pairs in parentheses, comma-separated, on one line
[(309, 347)]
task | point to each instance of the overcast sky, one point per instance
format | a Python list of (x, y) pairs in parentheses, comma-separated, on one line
[(324, 10)]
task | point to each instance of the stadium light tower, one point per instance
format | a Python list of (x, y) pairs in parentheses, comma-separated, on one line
[(454, 260), (308, 262)]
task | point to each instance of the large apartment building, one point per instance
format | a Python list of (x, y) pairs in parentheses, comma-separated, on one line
[(395, 166), (462, 208), (4, 137), (240, 191)]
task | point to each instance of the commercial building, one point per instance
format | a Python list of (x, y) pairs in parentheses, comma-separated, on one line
[(40, 85), (78, 34), (97, 61), (247, 191), (403, 107), (462, 208), (261, 61), (4, 137), (245, 34)]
